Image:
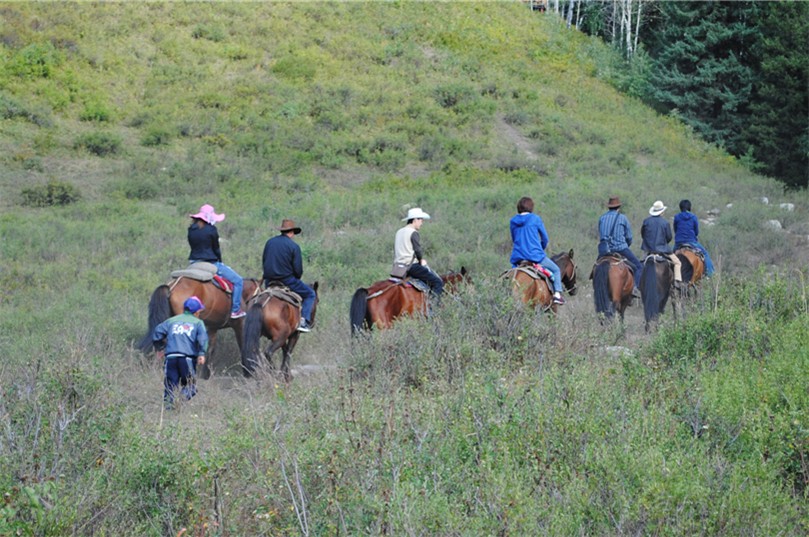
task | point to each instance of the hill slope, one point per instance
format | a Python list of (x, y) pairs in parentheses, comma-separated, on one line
[(340, 115)]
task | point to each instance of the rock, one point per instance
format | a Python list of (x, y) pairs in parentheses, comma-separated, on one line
[(774, 225), (788, 206), (765, 200)]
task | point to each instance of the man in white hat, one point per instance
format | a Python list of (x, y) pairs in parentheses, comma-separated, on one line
[(407, 250), (656, 234)]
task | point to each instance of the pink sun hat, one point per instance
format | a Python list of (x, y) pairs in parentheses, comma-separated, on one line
[(207, 214)]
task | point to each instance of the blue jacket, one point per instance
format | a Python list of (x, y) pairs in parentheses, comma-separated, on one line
[(282, 259), (686, 228), (204, 242), (529, 237), (614, 227), (184, 335), (656, 233)]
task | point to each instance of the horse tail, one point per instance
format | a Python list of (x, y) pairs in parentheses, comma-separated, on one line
[(251, 337), (159, 311), (359, 311), (601, 290), (648, 289)]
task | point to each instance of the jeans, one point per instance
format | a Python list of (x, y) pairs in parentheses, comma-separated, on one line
[(548, 263), (307, 294), (425, 274), (238, 284), (636, 266), (177, 369)]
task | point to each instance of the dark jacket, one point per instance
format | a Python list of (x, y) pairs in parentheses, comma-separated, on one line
[(204, 242), (282, 259), (656, 233)]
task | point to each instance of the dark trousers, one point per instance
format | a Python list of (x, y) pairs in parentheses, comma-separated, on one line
[(636, 266), (420, 272), (307, 294), (178, 370)]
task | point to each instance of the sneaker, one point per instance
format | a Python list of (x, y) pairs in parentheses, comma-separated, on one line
[(557, 299), (304, 326), (238, 314)]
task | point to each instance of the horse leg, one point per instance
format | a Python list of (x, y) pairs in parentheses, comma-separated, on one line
[(205, 370)]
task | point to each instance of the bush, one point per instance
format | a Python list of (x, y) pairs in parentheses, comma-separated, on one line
[(211, 33), (10, 108), (95, 111), (54, 193), (99, 143), (37, 60)]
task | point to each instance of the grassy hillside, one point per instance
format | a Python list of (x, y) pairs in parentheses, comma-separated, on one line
[(117, 120)]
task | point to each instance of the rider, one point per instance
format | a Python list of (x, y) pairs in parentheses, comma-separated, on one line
[(180, 341), (616, 237), (656, 233), (686, 231), (283, 262), (204, 241), (530, 240), (407, 250)]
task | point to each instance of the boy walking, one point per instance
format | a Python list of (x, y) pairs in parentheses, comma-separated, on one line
[(181, 342)]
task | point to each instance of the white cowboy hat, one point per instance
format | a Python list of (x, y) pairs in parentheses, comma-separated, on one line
[(657, 208), (415, 212)]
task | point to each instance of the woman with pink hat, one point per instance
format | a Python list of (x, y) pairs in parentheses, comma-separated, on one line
[(204, 241)]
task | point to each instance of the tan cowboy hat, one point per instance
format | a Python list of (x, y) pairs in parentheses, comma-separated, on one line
[(657, 208), (414, 213), (207, 214), (289, 225), (614, 202)]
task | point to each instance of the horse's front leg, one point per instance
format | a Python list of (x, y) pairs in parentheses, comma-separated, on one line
[(290, 344)]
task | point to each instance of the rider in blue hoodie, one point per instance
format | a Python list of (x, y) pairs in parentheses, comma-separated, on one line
[(530, 240)]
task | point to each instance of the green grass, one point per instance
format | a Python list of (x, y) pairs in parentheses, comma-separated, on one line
[(122, 119)]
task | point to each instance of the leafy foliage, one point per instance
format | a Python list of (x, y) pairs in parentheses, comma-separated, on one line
[(53, 193)]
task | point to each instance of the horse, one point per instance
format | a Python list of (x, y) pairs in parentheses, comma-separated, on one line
[(167, 301), (387, 300), (536, 292), (693, 267), (612, 286), (274, 314), (656, 280)]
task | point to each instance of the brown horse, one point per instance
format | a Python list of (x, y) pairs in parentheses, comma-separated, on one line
[(272, 314), (693, 267), (167, 300), (612, 286), (387, 300), (536, 292)]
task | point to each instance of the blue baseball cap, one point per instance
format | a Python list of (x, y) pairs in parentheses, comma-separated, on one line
[(193, 304)]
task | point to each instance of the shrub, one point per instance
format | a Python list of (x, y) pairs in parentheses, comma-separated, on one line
[(53, 193), (156, 135), (10, 108), (37, 60), (99, 143), (211, 33), (95, 111)]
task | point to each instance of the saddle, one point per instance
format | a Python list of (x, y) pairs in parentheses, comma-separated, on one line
[(693, 249), (202, 271), (535, 271), (613, 258), (280, 291), (415, 283)]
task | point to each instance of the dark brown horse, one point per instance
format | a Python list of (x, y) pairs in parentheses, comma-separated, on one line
[(612, 286), (272, 315), (536, 292), (387, 300), (656, 283), (167, 301)]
